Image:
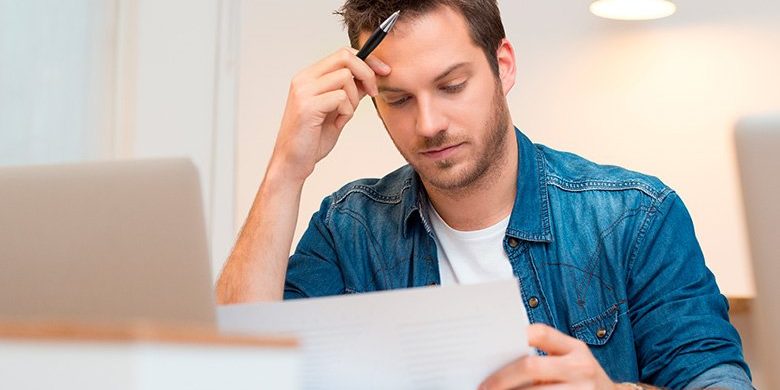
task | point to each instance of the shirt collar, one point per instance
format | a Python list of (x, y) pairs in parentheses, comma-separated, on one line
[(416, 202), (530, 219)]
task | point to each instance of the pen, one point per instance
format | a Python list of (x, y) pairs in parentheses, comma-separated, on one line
[(379, 34)]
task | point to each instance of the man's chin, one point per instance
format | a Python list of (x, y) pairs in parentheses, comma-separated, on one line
[(446, 179)]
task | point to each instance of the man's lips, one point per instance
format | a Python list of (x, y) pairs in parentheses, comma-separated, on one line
[(442, 152)]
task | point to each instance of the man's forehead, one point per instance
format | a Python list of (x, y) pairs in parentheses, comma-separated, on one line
[(427, 47)]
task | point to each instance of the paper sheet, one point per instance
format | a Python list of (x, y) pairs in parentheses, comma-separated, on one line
[(449, 337)]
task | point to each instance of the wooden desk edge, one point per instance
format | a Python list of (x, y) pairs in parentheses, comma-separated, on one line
[(171, 334), (136, 332), (740, 305)]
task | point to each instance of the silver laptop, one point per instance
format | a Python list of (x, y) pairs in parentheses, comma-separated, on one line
[(758, 150), (111, 241)]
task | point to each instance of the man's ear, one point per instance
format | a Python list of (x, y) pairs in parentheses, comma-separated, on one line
[(505, 54)]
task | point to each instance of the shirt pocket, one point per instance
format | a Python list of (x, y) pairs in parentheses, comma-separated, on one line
[(596, 330)]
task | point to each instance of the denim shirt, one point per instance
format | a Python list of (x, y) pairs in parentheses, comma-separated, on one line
[(603, 254)]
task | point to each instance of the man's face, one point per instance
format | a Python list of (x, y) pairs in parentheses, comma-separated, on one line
[(442, 105)]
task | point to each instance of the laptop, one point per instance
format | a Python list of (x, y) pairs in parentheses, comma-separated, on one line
[(119, 241), (758, 152)]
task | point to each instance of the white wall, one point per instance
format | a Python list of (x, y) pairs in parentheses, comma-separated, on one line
[(177, 66), (659, 97)]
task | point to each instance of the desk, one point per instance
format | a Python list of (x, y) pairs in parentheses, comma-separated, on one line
[(740, 305), (141, 357)]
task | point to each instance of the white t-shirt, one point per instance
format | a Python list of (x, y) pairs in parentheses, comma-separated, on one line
[(471, 257)]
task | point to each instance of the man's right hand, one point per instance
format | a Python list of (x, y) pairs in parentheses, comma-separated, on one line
[(322, 99)]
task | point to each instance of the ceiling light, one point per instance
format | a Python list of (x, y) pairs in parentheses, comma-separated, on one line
[(632, 9)]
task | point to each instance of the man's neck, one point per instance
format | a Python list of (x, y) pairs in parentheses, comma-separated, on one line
[(485, 202)]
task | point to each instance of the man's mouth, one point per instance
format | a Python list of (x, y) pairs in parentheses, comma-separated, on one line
[(442, 152)]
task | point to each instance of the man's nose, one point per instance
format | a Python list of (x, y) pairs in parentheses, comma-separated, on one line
[(431, 119)]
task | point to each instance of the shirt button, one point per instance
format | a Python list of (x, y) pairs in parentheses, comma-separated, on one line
[(513, 242), (533, 302), (601, 333)]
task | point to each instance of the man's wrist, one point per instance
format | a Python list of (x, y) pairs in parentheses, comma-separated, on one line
[(279, 175), (283, 166)]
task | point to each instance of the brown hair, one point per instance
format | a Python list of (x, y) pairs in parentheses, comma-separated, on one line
[(482, 17)]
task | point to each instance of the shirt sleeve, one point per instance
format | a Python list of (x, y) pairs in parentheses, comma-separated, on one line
[(313, 268), (724, 376), (679, 318)]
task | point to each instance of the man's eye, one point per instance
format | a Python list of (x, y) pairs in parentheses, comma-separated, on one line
[(399, 102), (454, 88)]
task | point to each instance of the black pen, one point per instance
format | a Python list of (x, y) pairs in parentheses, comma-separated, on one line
[(378, 35)]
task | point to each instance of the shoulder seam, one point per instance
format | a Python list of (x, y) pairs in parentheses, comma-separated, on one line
[(606, 185), (373, 194), (337, 198)]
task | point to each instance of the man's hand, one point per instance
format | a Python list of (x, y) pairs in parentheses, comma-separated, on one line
[(322, 99), (569, 365)]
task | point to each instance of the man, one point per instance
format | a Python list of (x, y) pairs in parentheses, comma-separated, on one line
[(606, 256)]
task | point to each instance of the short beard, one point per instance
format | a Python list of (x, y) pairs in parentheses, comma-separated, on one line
[(487, 160)]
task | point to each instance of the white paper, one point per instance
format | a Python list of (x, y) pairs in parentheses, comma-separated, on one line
[(449, 337)]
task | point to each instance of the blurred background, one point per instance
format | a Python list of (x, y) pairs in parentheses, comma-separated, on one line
[(208, 79)]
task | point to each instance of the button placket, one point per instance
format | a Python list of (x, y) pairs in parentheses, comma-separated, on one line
[(530, 289)]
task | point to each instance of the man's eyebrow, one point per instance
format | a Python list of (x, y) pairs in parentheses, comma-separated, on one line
[(438, 78), (450, 70), (390, 89)]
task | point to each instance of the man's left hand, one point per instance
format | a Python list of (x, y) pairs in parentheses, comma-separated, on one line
[(569, 365)]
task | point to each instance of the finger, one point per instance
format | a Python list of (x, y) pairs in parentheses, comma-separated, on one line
[(338, 119), (378, 66), (346, 112), (341, 121), (380, 69), (551, 340), (527, 371), (555, 386), (345, 58), (335, 121), (339, 79), (332, 101)]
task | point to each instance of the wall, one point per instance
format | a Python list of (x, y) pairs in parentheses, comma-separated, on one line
[(660, 97), (175, 86)]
